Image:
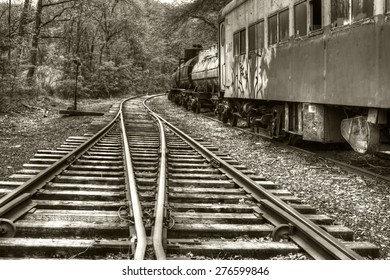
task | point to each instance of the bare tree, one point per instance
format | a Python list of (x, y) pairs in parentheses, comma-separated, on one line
[(39, 24)]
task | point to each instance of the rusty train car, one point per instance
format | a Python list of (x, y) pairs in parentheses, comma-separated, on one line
[(317, 70), (196, 79)]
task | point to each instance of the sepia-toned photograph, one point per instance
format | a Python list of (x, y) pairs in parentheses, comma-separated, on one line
[(195, 130)]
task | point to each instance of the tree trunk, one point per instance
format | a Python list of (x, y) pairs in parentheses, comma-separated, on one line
[(23, 18), (22, 30), (35, 44)]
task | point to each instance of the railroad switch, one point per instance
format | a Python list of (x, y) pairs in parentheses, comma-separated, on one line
[(7, 228), (215, 163), (282, 232)]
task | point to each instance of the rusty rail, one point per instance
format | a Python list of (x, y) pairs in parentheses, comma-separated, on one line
[(18, 202), (132, 196), (12, 207), (315, 241), (158, 242)]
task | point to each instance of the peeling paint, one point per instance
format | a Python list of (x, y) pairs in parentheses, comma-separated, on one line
[(269, 54)]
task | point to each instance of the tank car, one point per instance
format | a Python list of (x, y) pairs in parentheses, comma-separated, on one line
[(195, 82), (317, 70)]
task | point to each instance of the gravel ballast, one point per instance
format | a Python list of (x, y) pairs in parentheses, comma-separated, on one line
[(361, 203)]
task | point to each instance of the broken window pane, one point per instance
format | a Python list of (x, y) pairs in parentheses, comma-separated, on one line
[(260, 34), (236, 43), (283, 26), (272, 30), (315, 15), (252, 37), (242, 42), (362, 9), (340, 12), (300, 16)]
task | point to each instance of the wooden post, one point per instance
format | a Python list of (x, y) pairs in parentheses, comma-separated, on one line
[(77, 62)]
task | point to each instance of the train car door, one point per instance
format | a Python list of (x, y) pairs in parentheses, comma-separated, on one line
[(223, 49)]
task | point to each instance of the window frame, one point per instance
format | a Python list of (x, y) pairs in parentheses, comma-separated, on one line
[(262, 46), (259, 45), (351, 19), (307, 19), (349, 14), (241, 52), (287, 9), (362, 19), (277, 29), (222, 36), (312, 32), (255, 37), (236, 52), (238, 33)]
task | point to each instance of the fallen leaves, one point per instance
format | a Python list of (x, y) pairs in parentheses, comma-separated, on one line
[(21, 135)]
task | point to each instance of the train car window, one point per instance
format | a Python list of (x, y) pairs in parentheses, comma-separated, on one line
[(252, 37), (315, 15), (236, 43), (300, 18), (283, 26), (222, 30), (362, 9), (242, 42), (343, 12), (260, 34), (272, 30), (340, 12)]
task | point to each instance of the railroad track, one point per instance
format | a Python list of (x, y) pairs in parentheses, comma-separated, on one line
[(342, 164), (127, 194)]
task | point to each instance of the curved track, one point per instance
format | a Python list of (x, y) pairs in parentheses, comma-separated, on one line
[(127, 195)]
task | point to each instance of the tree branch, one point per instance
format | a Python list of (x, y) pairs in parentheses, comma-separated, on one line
[(56, 16), (57, 3), (205, 20)]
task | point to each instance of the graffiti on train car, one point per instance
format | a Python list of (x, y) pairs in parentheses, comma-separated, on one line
[(249, 77)]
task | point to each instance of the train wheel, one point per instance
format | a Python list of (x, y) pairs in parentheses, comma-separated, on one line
[(225, 117), (198, 107), (248, 122), (292, 139), (233, 120)]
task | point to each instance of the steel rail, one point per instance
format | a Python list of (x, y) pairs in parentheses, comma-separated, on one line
[(132, 195), (158, 229), (7, 202), (10, 203), (307, 233)]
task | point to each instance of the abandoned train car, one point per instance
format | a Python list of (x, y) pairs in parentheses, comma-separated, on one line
[(314, 69)]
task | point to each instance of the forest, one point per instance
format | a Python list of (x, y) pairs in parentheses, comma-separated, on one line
[(104, 48)]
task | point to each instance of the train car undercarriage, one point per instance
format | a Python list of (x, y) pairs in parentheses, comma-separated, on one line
[(366, 130)]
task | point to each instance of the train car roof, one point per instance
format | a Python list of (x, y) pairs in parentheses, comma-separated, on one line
[(230, 7)]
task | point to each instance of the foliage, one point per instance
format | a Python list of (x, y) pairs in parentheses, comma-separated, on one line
[(194, 22), (118, 46)]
